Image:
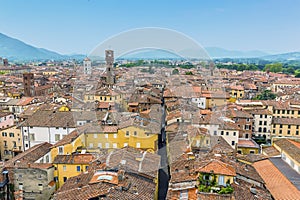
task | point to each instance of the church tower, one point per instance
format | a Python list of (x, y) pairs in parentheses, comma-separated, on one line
[(110, 77), (87, 66)]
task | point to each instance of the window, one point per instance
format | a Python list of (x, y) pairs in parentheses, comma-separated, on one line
[(106, 145), (20, 186), (248, 119), (14, 144), (265, 130), (60, 150), (91, 145), (135, 133), (125, 144), (280, 131), (288, 112), (95, 135), (221, 180), (266, 116), (227, 133), (215, 132), (259, 129), (86, 168), (65, 179), (57, 137), (4, 134), (78, 168), (55, 179), (115, 145), (265, 123), (115, 135), (127, 133), (99, 145), (5, 143), (280, 126), (138, 145), (292, 112), (222, 132), (297, 132), (289, 126), (260, 122), (106, 135), (283, 111), (64, 168), (260, 116), (239, 151), (57, 127), (234, 133), (288, 132), (247, 127), (184, 195), (232, 143), (251, 152), (47, 159)]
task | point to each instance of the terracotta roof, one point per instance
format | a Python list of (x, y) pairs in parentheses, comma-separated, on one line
[(218, 167), (73, 159), (68, 138), (249, 143), (275, 181)]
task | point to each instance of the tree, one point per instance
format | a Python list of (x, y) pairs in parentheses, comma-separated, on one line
[(274, 67), (266, 95), (175, 71), (189, 73)]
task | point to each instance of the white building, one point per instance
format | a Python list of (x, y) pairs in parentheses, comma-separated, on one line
[(51, 126)]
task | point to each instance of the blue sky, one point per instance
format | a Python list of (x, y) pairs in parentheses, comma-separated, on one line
[(77, 26)]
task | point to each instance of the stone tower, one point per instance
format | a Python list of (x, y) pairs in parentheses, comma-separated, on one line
[(87, 66), (28, 82), (109, 58)]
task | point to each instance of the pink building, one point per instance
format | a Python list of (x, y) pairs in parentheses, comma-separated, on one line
[(6, 119)]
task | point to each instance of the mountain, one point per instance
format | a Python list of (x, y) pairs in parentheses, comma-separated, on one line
[(216, 52), (291, 56), (17, 50)]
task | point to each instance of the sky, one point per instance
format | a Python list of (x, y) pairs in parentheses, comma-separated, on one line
[(78, 26)]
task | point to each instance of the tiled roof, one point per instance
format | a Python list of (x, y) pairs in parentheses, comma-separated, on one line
[(29, 156), (249, 143), (290, 147), (218, 167), (73, 159), (270, 151), (279, 186), (49, 118), (132, 187), (68, 138)]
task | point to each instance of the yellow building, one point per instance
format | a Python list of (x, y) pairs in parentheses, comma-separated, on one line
[(67, 166), (49, 73), (68, 145), (237, 92), (216, 99), (247, 146), (113, 137), (285, 127), (287, 109), (10, 142), (104, 95)]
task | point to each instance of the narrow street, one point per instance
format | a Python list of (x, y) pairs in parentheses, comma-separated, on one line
[(163, 173)]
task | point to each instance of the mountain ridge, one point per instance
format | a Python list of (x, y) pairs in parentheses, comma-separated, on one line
[(17, 50)]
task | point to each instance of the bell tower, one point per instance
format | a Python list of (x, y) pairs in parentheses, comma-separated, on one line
[(110, 77)]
